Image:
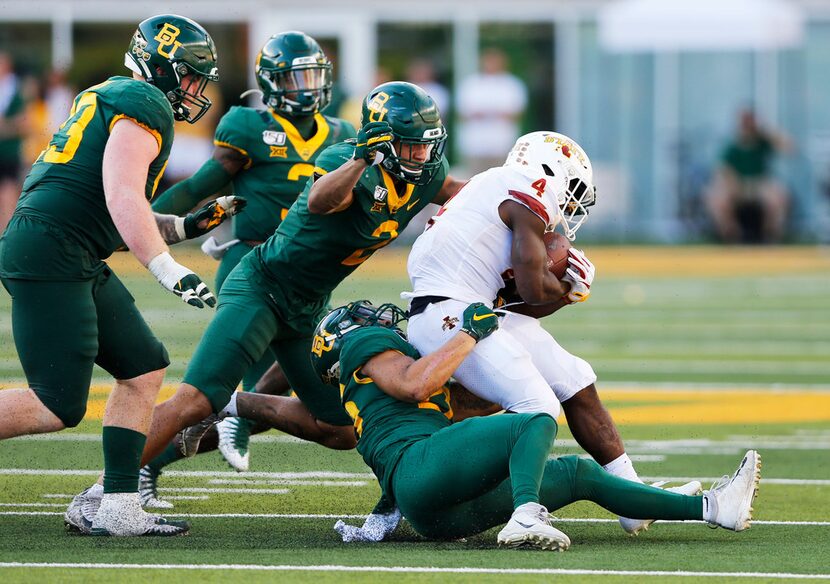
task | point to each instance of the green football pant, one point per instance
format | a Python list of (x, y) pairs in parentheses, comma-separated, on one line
[(245, 326), (62, 328), (463, 479), (229, 261)]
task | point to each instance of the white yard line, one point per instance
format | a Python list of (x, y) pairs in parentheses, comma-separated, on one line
[(413, 569), (288, 482), (361, 516), (345, 475)]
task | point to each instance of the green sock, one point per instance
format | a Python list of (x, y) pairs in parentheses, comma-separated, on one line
[(528, 456), (170, 455), (122, 459), (632, 499)]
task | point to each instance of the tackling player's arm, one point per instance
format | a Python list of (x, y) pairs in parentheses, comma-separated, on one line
[(412, 380), (535, 284), (213, 175)]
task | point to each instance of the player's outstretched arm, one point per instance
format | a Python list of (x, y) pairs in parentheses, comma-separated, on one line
[(535, 284), (412, 380), (213, 175), (130, 150)]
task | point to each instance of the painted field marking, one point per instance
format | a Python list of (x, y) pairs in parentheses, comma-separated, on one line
[(795, 523), (413, 569), (345, 475), (288, 482), (643, 449)]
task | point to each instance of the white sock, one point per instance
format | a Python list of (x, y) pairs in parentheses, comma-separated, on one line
[(623, 467), (96, 490), (230, 409)]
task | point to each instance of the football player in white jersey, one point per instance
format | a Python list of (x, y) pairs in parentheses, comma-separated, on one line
[(495, 226)]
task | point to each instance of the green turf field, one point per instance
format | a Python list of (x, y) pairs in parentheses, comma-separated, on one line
[(696, 364)]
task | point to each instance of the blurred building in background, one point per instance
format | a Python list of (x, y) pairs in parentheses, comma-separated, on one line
[(650, 88)]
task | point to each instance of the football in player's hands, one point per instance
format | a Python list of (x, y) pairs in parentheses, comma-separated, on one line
[(557, 246)]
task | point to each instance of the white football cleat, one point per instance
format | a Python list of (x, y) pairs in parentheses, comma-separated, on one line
[(234, 434), (189, 438), (82, 510), (148, 489), (635, 526), (120, 514), (530, 526), (728, 503)]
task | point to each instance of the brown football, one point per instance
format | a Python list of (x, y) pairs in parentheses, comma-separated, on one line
[(557, 246)]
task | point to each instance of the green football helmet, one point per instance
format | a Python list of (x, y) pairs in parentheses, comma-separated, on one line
[(420, 137), (294, 74), (168, 49), (329, 334)]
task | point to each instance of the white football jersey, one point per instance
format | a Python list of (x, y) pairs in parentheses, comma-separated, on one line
[(465, 247)]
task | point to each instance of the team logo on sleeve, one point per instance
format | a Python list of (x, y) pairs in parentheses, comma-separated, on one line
[(273, 138)]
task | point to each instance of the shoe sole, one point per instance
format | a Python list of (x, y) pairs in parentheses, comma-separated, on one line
[(535, 541), (745, 519)]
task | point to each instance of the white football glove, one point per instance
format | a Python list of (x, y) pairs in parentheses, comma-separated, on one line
[(579, 275), (215, 249), (181, 281), (377, 527)]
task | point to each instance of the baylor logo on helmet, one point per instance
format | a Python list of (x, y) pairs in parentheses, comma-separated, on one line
[(376, 108), (167, 37)]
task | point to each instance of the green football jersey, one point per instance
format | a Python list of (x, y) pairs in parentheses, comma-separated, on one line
[(280, 162), (310, 254), (65, 186), (385, 426)]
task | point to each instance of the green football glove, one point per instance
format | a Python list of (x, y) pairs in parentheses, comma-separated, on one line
[(374, 142), (209, 217), (479, 321)]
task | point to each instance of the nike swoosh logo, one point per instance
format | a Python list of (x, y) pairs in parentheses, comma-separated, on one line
[(482, 317), (525, 525), (412, 204)]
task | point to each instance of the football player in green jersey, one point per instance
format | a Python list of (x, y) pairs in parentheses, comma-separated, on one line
[(86, 196), (267, 155), (362, 195), (398, 402)]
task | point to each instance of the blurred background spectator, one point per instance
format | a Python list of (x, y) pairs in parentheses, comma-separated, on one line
[(747, 203), (12, 130), (421, 72), (490, 104)]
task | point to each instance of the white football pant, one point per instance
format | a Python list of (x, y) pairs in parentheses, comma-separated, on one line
[(520, 366)]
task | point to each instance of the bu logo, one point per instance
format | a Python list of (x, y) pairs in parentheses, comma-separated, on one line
[(376, 108), (449, 323), (167, 37)]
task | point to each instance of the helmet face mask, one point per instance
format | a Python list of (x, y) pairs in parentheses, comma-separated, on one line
[(561, 165), (178, 56), (420, 137), (294, 74), (329, 334)]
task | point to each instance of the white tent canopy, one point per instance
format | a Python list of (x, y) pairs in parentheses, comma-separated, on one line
[(677, 25)]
